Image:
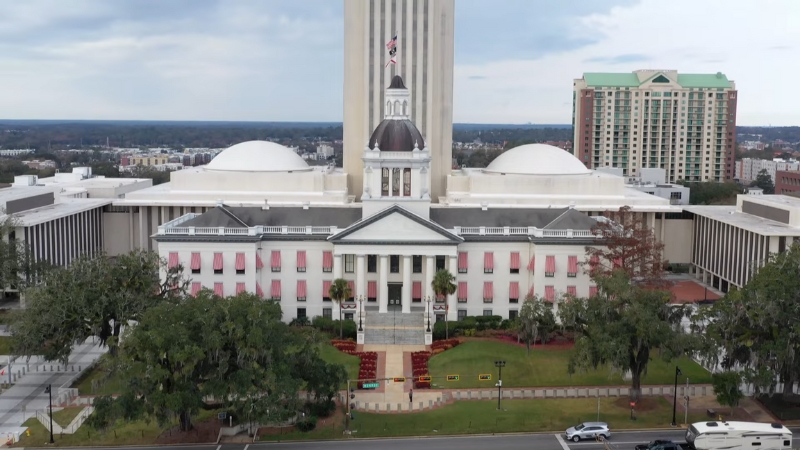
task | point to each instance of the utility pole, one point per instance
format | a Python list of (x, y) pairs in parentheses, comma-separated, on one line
[(499, 364), (675, 396)]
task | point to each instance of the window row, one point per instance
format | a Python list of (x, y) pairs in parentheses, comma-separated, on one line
[(549, 267)]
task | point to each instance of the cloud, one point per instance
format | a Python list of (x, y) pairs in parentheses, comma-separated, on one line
[(477, 77), (620, 59)]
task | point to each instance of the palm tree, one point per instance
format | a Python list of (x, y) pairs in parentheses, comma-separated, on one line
[(444, 285), (339, 292)]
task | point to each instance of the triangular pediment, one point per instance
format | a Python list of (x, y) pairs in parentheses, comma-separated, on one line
[(395, 225), (659, 79)]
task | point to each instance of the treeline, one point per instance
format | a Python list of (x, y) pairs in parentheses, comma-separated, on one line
[(768, 134)]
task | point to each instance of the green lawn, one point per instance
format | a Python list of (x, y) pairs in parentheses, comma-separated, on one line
[(472, 417), (541, 368), (333, 356), (98, 372), (65, 416), (5, 345)]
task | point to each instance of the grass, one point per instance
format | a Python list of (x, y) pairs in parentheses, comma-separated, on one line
[(132, 433), (544, 367), (5, 345), (331, 355), (98, 372), (473, 417), (65, 416)]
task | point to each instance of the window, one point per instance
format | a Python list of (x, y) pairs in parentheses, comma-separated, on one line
[(675, 195), (348, 316), (327, 262), (218, 263), (462, 314), (326, 287), (301, 313), (372, 263), (488, 262), (462, 262), (301, 261), (514, 262), (416, 264), (512, 314), (327, 313), (385, 182), (349, 263), (439, 262), (487, 312), (275, 262), (396, 182), (406, 182)]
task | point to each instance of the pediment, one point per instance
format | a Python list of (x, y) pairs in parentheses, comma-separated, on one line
[(659, 80), (395, 225)]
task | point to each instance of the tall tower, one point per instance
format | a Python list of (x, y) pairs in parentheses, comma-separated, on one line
[(424, 30)]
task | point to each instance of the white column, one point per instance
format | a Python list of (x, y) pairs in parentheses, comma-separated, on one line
[(383, 287), (452, 313), (407, 284), (337, 266), (361, 277), (142, 227), (430, 267)]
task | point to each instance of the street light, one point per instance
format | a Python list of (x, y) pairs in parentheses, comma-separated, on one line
[(499, 365), (428, 301), (360, 309), (675, 396), (49, 390)]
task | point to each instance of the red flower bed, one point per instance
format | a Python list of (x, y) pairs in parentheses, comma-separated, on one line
[(419, 368), (368, 370), (348, 347), (444, 344)]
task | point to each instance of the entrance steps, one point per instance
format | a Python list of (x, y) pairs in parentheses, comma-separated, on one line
[(394, 328)]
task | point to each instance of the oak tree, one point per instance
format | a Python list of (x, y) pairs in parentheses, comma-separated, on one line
[(535, 321)]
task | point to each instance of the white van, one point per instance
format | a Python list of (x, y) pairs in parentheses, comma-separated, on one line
[(738, 435)]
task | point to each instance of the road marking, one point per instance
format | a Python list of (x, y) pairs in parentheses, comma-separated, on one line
[(219, 447), (564, 445), (245, 447)]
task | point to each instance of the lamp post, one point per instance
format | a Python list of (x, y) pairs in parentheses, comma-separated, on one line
[(428, 301), (499, 364), (49, 391), (360, 309), (675, 396)]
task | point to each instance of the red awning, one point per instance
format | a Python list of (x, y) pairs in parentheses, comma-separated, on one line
[(218, 289), (513, 290), (217, 261), (352, 285), (592, 291), (488, 290), (259, 291), (462, 290), (515, 260), (301, 259), (372, 289), (173, 259), (550, 264), (196, 287), (326, 288), (327, 260), (572, 265), (240, 288), (259, 262), (488, 261), (416, 289), (572, 290), (532, 263), (530, 291), (550, 293), (240, 261), (301, 288), (276, 259), (463, 261), (195, 261), (275, 292), (617, 263)]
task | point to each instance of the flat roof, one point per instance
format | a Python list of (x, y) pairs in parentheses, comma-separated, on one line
[(729, 215), (15, 192), (58, 210), (778, 199)]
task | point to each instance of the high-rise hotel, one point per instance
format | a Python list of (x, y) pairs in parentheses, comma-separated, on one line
[(683, 123)]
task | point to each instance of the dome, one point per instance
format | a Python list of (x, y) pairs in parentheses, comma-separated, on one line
[(537, 159), (258, 156), (393, 135)]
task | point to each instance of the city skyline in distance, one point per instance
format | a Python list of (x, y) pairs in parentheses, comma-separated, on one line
[(282, 61)]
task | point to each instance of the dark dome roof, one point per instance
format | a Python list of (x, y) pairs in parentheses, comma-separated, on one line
[(396, 136), (397, 83)]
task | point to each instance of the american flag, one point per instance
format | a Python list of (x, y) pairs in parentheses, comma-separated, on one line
[(392, 47), (392, 43)]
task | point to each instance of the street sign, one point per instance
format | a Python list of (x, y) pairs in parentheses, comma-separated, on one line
[(485, 377), (452, 378), (370, 385), (425, 378), (222, 415), (400, 379)]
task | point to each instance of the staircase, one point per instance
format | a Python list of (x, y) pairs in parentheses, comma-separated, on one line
[(394, 328)]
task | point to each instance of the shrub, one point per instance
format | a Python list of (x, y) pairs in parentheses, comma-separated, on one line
[(307, 424), (330, 326), (321, 409)]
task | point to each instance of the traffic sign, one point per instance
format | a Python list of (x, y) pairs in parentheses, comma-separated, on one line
[(400, 379), (425, 378), (485, 377), (371, 385), (222, 415), (452, 378)]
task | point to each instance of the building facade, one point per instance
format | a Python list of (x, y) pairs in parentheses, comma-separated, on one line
[(682, 123), (425, 36), (747, 169), (787, 182)]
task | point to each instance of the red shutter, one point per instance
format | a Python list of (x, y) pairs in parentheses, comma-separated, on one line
[(275, 292), (219, 290), (550, 293), (513, 290), (327, 260), (352, 285), (301, 259), (259, 262), (462, 290), (532, 264), (416, 290), (195, 261), (174, 261), (515, 260), (326, 288), (617, 263), (240, 288), (463, 262), (276, 259), (572, 265), (530, 291), (301, 288), (217, 261), (550, 264), (196, 288), (240, 261), (259, 291), (372, 289), (488, 261), (488, 291), (592, 291), (572, 290)]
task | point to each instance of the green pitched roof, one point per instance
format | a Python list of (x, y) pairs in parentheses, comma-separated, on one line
[(688, 80)]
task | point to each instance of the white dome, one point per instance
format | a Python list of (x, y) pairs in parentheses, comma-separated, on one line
[(537, 159), (258, 156)]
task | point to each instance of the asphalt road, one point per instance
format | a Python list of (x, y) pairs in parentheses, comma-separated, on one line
[(621, 441)]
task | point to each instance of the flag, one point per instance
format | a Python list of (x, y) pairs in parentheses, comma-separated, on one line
[(392, 43), (392, 47)]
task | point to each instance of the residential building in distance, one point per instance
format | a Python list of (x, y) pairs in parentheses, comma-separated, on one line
[(787, 181), (682, 123), (424, 56), (324, 151), (40, 164), (149, 160), (653, 182), (747, 169)]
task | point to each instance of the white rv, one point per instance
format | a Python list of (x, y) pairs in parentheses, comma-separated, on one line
[(738, 435)]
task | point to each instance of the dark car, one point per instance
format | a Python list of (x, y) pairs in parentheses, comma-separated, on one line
[(661, 444)]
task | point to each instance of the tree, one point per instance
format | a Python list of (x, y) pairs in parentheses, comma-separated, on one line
[(621, 325), (727, 388), (535, 319), (764, 181), (18, 266), (339, 292), (94, 296), (443, 286), (625, 242), (712, 192)]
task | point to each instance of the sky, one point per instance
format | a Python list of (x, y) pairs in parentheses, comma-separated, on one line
[(281, 60)]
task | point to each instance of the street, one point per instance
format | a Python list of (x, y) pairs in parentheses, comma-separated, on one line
[(622, 441)]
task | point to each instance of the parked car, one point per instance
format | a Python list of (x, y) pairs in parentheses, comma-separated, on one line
[(587, 430)]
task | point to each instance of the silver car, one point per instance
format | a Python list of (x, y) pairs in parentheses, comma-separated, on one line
[(588, 430)]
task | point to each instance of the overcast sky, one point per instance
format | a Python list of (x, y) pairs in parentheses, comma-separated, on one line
[(281, 60)]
